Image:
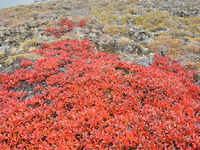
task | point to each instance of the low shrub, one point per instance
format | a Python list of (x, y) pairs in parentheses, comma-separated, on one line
[(64, 27), (75, 98)]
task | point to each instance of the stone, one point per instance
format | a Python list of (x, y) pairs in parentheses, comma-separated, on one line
[(107, 43), (138, 49), (144, 61), (3, 48)]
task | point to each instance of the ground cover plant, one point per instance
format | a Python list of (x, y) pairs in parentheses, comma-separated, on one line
[(77, 98), (64, 27)]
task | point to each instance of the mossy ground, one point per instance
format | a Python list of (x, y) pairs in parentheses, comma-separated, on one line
[(116, 18)]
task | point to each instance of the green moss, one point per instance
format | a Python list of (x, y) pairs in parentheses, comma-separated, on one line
[(111, 29), (96, 11), (108, 19), (49, 24), (28, 43), (115, 29), (130, 10), (110, 8), (124, 19), (190, 25), (11, 59), (153, 20), (29, 56), (20, 10)]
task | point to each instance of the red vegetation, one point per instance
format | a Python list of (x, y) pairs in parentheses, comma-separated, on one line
[(64, 27), (80, 99)]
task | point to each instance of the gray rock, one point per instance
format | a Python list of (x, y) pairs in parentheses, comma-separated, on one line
[(144, 61), (138, 49), (107, 43), (3, 48), (63, 11), (141, 36), (128, 49)]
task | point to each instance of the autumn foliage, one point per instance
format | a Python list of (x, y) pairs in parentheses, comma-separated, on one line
[(82, 99), (64, 26)]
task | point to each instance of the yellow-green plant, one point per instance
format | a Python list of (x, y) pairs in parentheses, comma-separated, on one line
[(153, 20), (28, 43)]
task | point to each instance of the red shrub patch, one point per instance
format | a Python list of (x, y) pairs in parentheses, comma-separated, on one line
[(65, 26), (86, 100), (26, 63)]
